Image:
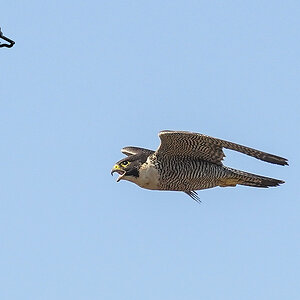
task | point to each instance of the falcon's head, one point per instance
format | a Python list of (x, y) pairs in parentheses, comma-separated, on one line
[(131, 167), (128, 168)]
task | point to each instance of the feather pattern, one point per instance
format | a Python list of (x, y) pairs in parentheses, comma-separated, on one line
[(196, 145), (187, 161)]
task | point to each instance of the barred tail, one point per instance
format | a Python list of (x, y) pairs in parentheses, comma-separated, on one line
[(264, 182), (248, 179)]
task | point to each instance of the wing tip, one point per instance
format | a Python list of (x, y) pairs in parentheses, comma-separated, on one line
[(132, 150), (278, 160)]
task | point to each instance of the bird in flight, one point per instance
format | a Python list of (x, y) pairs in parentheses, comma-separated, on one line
[(187, 161)]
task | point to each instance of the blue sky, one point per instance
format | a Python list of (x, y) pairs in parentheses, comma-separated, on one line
[(86, 78)]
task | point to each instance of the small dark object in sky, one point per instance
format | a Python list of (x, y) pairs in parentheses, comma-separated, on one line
[(6, 39)]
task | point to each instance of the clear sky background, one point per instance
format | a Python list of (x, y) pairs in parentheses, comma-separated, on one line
[(86, 78)]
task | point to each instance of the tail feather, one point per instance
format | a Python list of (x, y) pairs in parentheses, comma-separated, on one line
[(254, 180), (264, 182)]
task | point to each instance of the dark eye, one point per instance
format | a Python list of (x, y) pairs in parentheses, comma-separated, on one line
[(125, 163)]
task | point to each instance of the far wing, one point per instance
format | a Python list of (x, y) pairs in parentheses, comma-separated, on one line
[(183, 143), (135, 150)]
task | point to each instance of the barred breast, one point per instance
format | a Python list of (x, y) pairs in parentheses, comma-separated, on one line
[(186, 174)]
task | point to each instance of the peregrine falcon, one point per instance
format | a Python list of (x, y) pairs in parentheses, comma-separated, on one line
[(187, 161)]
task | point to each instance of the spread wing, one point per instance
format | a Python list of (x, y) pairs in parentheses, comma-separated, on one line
[(196, 145), (135, 150)]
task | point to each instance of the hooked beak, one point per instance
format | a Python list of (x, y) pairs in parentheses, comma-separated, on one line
[(117, 169)]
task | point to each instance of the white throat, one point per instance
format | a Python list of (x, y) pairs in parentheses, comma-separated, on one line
[(148, 177)]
